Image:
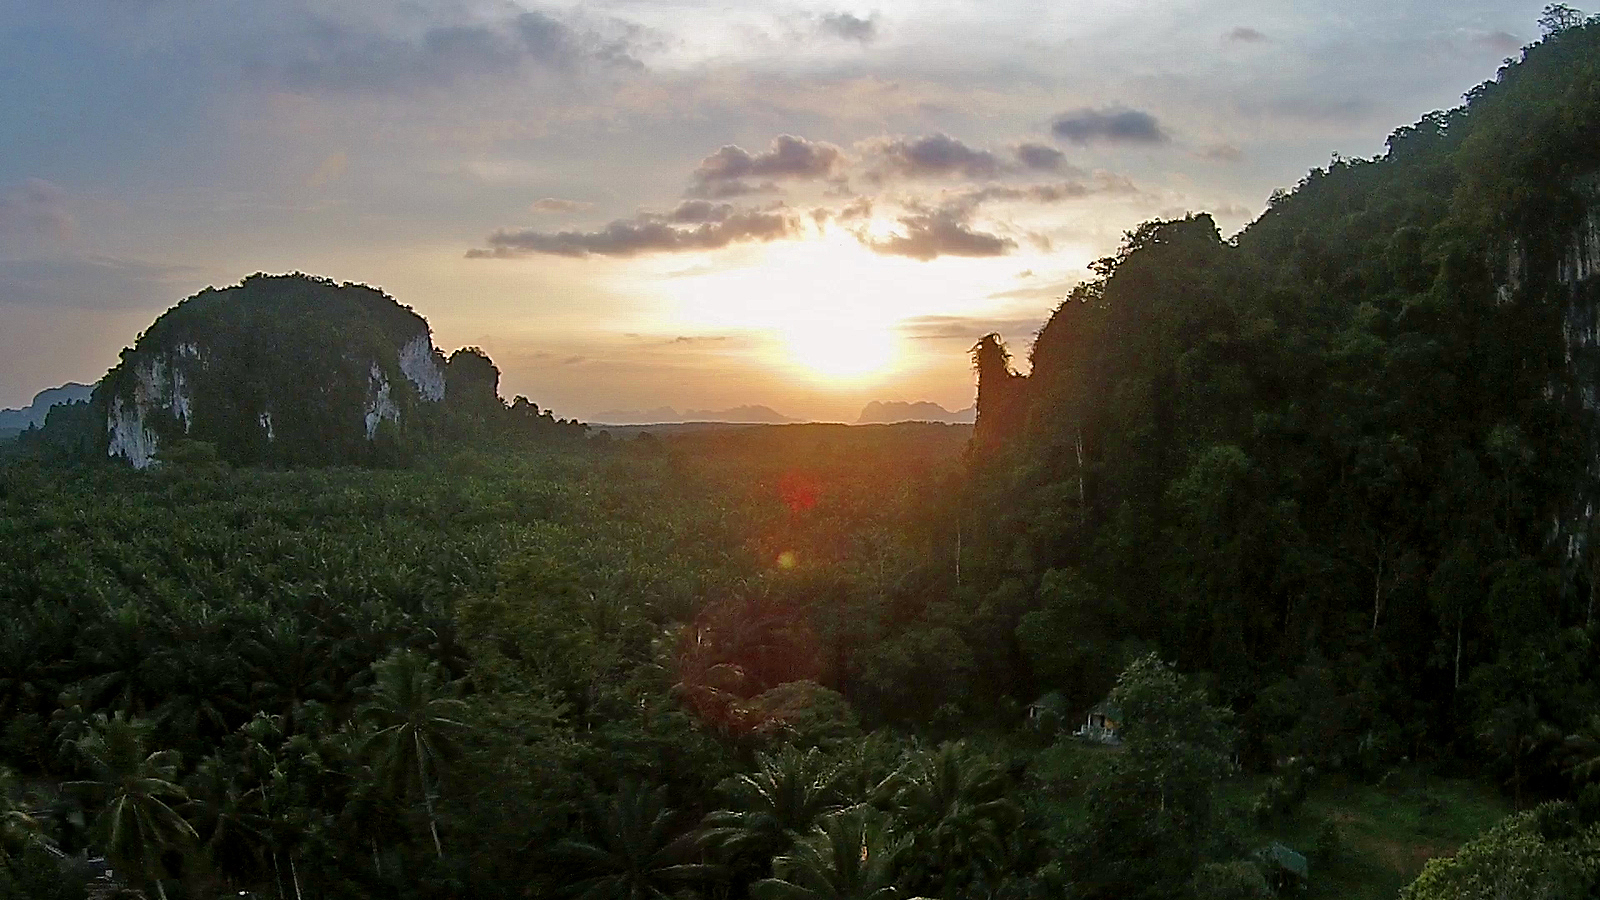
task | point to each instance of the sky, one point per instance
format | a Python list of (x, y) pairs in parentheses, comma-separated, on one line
[(632, 204)]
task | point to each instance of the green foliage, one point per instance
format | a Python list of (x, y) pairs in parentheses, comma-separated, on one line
[(1150, 813), (632, 853), (1517, 858), (852, 855)]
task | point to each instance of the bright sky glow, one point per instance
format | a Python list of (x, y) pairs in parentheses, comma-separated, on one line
[(601, 195)]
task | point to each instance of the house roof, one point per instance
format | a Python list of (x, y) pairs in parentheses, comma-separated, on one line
[(1108, 709), (1285, 858)]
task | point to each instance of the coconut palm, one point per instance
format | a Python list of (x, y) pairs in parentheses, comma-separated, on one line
[(631, 852), (227, 818), (417, 729), (770, 808), (955, 804), (134, 791), (851, 855)]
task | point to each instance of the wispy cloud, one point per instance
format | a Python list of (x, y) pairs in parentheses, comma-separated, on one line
[(691, 227)]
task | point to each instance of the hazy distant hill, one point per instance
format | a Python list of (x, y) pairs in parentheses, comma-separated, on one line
[(878, 412), (666, 414), (13, 421)]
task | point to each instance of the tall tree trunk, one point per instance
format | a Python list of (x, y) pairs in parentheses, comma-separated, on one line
[(427, 797), (1082, 495), (1377, 593), (1461, 614), (958, 547), (294, 873)]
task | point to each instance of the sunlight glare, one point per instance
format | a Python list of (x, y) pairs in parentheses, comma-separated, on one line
[(826, 308)]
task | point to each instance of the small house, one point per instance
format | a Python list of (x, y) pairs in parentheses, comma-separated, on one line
[(1101, 724), (1048, 713)]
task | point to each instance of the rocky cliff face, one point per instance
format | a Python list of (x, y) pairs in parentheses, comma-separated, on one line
[(287, 369), (1578, 278)]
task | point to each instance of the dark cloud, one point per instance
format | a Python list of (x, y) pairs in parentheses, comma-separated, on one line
[(717, 226), (934, 155), (944, 231), (36, 208), (1112, 124), (849, 27), (1040, 158), (700, 211), (1245, 35), (558, 205), (789, 157), (328, 54)]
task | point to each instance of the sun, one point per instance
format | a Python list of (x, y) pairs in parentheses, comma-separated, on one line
[(825, 309), (839, 350)]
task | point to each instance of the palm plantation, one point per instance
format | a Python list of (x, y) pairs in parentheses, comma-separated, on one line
[(133, 792)]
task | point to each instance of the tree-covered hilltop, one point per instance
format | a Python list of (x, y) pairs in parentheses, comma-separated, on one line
[(294, 369), (1344, 463)]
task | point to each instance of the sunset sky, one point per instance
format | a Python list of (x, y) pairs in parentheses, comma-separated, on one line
[(632, 204)]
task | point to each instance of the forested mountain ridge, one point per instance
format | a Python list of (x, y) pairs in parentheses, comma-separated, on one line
[(299, 370), (1345, 462), (33, 415)]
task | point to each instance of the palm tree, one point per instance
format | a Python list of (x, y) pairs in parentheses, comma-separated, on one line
[(852, 855), (1582, 751), (632, 853), (417, 728), (774, 805), (132, 787), (227, 818), (955, 803)]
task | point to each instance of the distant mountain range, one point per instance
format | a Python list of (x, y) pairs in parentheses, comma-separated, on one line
[(875, 413), (765, 415), (878, 412), (14, 421)]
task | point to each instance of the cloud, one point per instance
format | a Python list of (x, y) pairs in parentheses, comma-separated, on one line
[(700, 211), (323, 53), (558, 205), (708, 227), (718, 190), (1502, 42), (36, 208), (967, 329), (848, 27), (1040, 158), (943, 231), (98, 283), (1221, 153), (1053, 192), (934, 155), (789, 157), (1112, 124), (1245, 35)]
